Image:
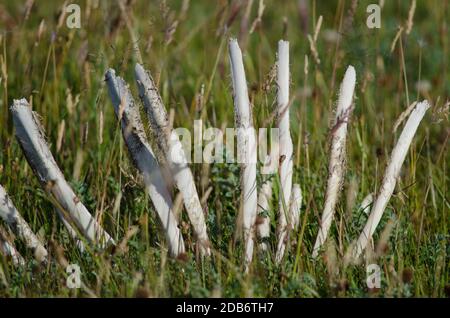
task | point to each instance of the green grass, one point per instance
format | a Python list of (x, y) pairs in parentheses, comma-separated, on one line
[(65, 62)]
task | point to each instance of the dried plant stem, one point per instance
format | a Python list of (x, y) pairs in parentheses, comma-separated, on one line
[(286, 147), (410, 21), (313, 41), (258, 19), (403, 116), (20, 227), (391, 174), (337, 155), (143, 158), (134, 39), (295, 206), (246, 147), (172, 149), (30, 136)]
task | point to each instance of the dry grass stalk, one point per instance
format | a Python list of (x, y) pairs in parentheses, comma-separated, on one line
[(246, 147), (410, 21), (30, 136), (143, 158), (337, 155), (20, 227), (172, 149), (128, 23), (397, 36), (258, 19), (390, 176), (403, 116), (295, 206), (313, 41), (61, 130), (286, 147)]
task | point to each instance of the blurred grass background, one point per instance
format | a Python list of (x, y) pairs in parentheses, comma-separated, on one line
[(184, 44)]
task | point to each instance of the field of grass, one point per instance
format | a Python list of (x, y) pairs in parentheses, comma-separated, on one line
[(185, 45)]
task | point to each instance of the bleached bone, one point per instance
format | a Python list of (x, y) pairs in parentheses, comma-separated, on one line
[(30, 136), (391, 174), (20, 227), (366, 203), (172, 149), (337, 155), (286, 147), (143, 158), (9, 250), (295, 206), (246, 147)]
